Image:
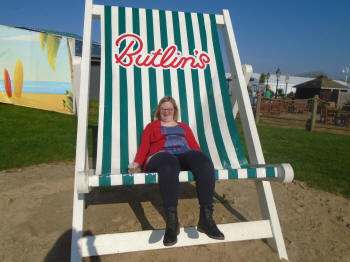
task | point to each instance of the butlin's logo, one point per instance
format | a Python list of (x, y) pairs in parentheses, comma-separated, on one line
[(133, 54)]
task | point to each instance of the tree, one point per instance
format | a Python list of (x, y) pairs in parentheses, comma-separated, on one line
[(291, 94), (262, 79), (267, 80), (278, 73), (323, 75), (280, 92)]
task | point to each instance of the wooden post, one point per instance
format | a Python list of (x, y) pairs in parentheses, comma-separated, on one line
[(314, 113), (257, 109), (339, 99)]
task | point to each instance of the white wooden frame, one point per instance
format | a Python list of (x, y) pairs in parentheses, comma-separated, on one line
[(136, 241)]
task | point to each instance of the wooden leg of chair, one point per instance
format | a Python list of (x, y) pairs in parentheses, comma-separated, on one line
[(268, 209), (77, 225)]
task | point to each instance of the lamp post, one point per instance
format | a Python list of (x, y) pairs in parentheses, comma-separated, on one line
[(287, 80), (278, 74), (346, 71)]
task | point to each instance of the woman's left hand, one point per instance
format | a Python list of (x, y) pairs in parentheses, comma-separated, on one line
[(133, 168)]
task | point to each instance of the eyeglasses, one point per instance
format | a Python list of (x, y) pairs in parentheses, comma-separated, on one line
[(166, 109)]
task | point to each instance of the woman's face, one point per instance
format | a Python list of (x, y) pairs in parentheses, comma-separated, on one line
[(167, 112)]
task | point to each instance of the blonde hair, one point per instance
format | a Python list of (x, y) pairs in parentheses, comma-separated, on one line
[(156, 115)]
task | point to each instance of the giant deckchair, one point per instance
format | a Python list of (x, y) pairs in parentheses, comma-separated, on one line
[(145, 55)]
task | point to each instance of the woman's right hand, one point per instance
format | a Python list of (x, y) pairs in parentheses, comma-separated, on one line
[(133, 168)]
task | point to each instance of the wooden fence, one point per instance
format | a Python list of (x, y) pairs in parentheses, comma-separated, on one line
[(277, 106), (313, 111)]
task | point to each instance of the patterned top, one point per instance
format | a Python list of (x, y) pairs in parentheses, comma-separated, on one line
[(175, 139), (153, 141)]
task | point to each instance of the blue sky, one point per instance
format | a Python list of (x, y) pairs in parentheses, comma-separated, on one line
[(298, 36)]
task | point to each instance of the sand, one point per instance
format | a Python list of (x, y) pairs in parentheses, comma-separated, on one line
[(36, 213), (50, 102)]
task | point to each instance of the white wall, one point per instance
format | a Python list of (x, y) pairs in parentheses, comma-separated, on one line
[(293, 81)]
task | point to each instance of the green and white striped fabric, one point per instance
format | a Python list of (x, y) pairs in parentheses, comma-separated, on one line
[(148, 54), (184, 176)]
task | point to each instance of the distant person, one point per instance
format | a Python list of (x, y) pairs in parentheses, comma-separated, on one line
[(251, 99), (168, 147), (267, 94)]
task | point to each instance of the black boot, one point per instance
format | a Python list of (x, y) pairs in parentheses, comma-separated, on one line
[(207, 224), (172, 226)]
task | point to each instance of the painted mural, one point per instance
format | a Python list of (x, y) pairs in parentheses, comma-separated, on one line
[(36, 70)]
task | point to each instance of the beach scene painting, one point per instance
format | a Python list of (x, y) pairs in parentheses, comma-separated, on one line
[(35, 70)]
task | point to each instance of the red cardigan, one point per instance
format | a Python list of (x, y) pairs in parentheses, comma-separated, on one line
[(152, 141)]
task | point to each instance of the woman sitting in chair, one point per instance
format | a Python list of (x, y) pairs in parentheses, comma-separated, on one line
[(168, 147)]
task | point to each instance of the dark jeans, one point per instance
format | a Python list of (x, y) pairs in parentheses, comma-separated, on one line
[(168, 167)]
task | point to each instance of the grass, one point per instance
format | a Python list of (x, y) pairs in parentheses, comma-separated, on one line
[(320, 159), (33, 136)]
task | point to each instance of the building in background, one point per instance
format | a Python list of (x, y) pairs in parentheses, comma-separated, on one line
[(287, 88), (254, 85), (325, 88)]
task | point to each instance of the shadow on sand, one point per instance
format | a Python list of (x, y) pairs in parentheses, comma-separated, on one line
[(125, 194), (61, 249)]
